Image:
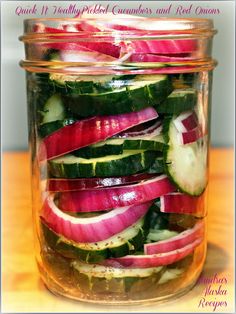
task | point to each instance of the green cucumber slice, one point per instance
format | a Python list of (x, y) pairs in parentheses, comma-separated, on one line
[(88, 83), (54, 109), (80, 84), (99, 279), (39, 91), (144, 91), (149, 143), (159, 235), (158, 166), (117, 146), (171, 274), (183, 80), (101, 149), (158, 220), (47, 128), (129, 162), (178, 101), (121, 244), (53, 116), (111, 272), (186, 165)]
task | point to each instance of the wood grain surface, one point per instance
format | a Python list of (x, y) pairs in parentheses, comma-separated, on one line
[(23, 291)]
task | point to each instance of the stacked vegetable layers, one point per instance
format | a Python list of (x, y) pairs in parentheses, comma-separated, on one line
[(126, 160)]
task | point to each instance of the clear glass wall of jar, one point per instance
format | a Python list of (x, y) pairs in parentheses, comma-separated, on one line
[(119, 130)]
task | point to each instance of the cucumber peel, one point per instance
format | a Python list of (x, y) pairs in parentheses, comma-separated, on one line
[(127, 163), (178, 101), (53, 109), (97, 278), (123, 243), (47, 128), (141, 92), (186, 165), (117, 146)]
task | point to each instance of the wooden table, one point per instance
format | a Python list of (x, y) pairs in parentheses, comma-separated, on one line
[(22, 288)]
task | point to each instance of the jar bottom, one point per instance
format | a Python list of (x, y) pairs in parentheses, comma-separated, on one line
[(58, 291), (168, 291)]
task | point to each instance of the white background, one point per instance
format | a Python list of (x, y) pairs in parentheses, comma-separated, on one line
[(14, 113)]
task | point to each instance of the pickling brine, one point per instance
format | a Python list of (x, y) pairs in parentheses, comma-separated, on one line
[(119, 129)]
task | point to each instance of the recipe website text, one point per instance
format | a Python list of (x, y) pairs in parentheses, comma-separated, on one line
[(116, 8)]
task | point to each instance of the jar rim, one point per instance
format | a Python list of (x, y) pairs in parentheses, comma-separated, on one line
[(150, 24), (57, 32), (152, 28)]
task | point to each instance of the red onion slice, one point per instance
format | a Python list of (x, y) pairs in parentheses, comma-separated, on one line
[(144, 261), (165, 46), (41, 28), (104, 48), (92, 229), (151, 131), (63, 185), (99, 128), (177, 242), (186, 121), (124, 23), (190, 136), (99, 49), (180, 203), (105, 199)]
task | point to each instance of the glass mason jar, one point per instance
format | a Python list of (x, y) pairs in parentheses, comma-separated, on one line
[(119, 127)]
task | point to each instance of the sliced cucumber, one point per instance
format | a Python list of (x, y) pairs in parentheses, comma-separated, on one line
[(54, 109), (178, 101), (83, 84), (100, 279), (80, 84), (158, 220), (48, 128), (129, 162), (156, 143), (183, 80), (121, 244), (158, 166), (186, 165), (53, 116), (159, 235), (39, 92), (143, 91), (111, 272), (101, 149), (117, 146), (171, 274)]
